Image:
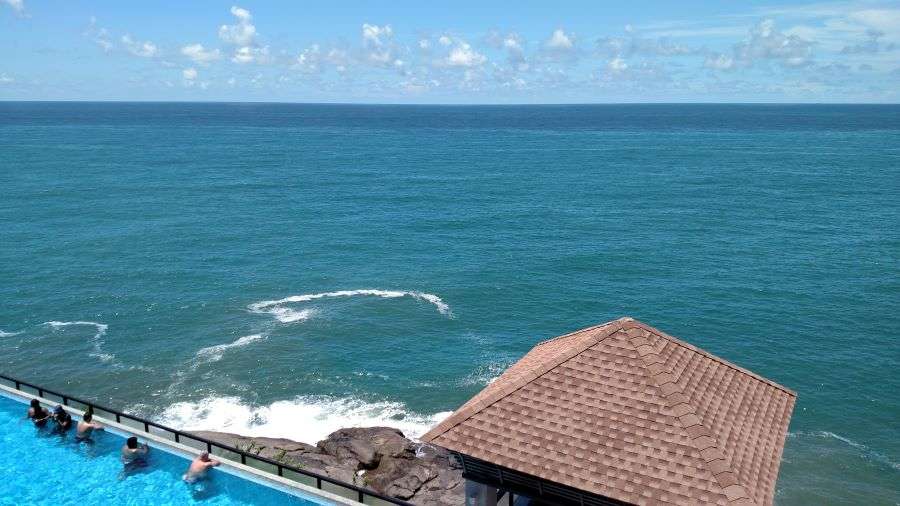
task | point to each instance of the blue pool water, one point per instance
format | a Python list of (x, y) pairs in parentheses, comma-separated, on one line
[(143, 247), (40, 467)]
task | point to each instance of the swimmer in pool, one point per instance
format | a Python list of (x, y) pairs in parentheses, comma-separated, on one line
[(134, 454), (38, 414), (199, 467), (86, 427), (63, 420)]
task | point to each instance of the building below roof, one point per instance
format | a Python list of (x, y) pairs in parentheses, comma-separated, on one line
[(621, 413)]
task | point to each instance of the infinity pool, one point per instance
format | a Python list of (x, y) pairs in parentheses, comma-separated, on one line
[(40, 467)]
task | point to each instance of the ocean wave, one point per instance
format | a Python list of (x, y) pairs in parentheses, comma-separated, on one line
[(485, 374), (215, 353), (4, 333), (287, 315), (307, 419), (864, 450), (96, 341)]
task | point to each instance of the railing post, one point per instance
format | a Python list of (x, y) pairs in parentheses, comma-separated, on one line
[(208, 447), (318, 482), (118, 418), (146, 427), (360, 498), (176, 437)]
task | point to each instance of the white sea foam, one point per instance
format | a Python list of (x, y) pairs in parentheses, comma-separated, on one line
[(3, 333), (306, 419), (96, 341), (215, 353), (485, 374), (287, 315), (863, 449)]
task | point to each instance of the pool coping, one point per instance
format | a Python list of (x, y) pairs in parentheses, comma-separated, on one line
[(236, 468)]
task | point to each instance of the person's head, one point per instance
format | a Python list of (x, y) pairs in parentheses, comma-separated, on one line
[(59, 411), (204, 456), (88, 417), (131, 443), (36, 404)]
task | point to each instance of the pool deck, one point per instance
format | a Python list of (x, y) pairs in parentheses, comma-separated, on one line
[(231, 467)]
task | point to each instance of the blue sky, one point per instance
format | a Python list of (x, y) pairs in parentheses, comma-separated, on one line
[(459, 52)]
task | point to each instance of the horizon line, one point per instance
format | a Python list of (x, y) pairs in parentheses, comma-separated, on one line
[(426, 104)]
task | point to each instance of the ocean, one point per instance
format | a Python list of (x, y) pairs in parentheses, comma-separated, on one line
[(286, 269)]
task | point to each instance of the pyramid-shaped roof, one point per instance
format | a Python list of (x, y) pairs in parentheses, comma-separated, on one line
[(625, 411)]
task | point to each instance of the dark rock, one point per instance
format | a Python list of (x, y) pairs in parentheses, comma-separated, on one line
[(379, 458)]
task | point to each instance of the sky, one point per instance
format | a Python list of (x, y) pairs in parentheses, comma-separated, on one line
[(459, 52)]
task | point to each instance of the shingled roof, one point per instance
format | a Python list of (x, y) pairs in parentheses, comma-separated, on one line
[(625, 411)]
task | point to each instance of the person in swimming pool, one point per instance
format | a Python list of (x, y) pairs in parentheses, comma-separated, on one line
[(134, 454), (63, 419), (86, 427), (199, 467), (38, 414)]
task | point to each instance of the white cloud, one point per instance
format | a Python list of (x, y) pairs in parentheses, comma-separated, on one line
[(887, 20), (379, 45), (560, 41), (445, 40), (199, 54), (18, 6), (308, 61), (189, 74), (144, 49), (633, 44), (767, 42), (424, 44), (5, 79), (376, 35), (464, 56), (719, 61), (617, 64), (99, 35), (243, 32), (249, 54)]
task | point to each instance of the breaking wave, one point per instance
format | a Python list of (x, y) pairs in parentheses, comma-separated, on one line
[(287, 315), (307, 419), (4, 333), (96, 341), (215, 353)]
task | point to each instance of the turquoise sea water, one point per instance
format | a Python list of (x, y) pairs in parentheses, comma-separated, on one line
[(54, 469), (421, 250)]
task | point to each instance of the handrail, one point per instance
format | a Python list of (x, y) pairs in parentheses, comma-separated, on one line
[(362, 493)]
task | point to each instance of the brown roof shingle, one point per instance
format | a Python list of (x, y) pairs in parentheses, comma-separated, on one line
[(631, 413)]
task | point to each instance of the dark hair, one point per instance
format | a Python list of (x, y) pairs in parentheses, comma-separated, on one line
[(35, 404), (131, 442), (87, 416)]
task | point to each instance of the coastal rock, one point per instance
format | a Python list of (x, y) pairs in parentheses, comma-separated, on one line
[(379, 458)]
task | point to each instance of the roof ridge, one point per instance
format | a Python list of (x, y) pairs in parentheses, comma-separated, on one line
[(685, 414), (469, 410), (635, 323), (579, 331)]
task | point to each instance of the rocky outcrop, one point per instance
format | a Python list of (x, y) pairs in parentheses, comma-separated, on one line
[(379, 458)]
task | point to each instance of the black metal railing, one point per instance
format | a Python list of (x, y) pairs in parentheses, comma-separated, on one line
[(293, 473)]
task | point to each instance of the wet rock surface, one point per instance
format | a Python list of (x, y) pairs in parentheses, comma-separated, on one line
[(378, 458)]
